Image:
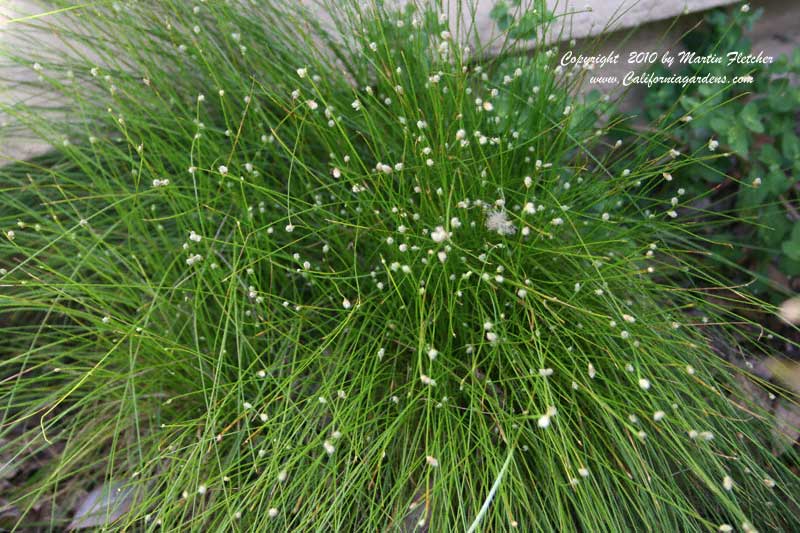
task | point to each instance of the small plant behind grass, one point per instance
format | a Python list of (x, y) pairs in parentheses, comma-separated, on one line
[(750, 133), (279, 279)]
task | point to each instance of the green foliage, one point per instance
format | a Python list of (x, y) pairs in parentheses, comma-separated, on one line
[(284, 272), (757, 163), (525, 24)]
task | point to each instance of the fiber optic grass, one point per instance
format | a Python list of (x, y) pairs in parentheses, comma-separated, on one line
[(288, 275)]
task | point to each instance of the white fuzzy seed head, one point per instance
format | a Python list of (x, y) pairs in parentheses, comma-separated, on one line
[(497, 221), (544, 420), (439, 234), (426, 380), (727, 483)]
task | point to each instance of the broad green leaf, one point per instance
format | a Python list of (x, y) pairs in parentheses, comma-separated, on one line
[(527, 26), (738, 139), (779, 98), (789, 266), (775, 182), (774, 226), (500, 14), (720, 124), (790, 145), (769, 155), (751, 118)]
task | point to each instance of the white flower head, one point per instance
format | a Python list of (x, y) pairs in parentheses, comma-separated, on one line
[(440, 234), (727, 483), (427, 380), (196, 258), (497, 220), (544, 420)]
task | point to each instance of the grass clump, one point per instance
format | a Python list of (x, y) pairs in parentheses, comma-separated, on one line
[(281, 274)]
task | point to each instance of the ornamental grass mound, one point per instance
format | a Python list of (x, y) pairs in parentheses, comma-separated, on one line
[(356, 271)]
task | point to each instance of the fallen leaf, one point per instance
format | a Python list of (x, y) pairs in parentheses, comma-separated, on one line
[(102, 506), (787, 372), (788, 427)]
